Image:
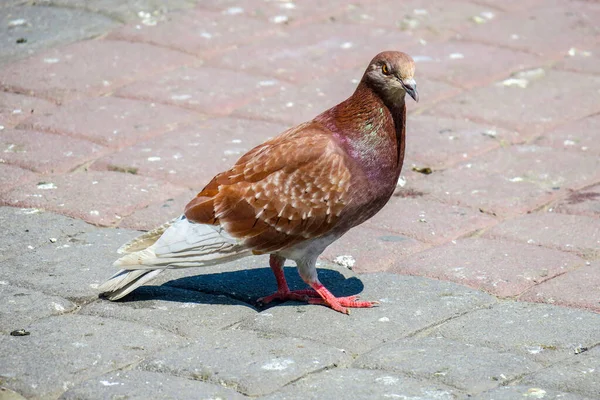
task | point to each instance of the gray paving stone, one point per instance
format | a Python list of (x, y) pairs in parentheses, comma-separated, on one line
[(19, 307), (358, 384), (252, 363), (70, 268), (544, 333), (464, 366), (62, 351), (580, 374), (408, 304), (184, 312), (22, 228), (526, 392), (154, 11), (37, 26), (144, 385), (7, 394)]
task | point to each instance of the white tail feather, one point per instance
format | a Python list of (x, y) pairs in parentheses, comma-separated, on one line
[(178, 244)]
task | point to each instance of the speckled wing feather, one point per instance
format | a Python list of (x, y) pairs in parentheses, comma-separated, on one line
[(282, 192)]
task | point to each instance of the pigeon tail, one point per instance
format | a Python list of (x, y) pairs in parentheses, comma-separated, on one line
[(177, 244)]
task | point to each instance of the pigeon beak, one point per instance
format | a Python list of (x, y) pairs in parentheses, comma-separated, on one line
[(410, 86)]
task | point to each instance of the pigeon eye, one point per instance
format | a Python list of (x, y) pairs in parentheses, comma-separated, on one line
[(385, 69)]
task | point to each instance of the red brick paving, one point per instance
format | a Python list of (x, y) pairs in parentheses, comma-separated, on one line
[(428, 19), (574, 24), (198, 88), (584, 202), (578, 288), (45, 152), (429, 221), (100, 198), (16, 107), (12, 176), (172, 156), (124, 129), (579, 137), (513, 180), (548, 100), (88, 68), (376, 254), (573, 233), (111, 121), (197, 32), (503, 268)]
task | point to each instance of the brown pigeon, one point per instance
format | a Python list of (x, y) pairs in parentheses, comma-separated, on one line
[(292, 196)]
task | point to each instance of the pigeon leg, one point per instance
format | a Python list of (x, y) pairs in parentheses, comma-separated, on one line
[(283, 291)]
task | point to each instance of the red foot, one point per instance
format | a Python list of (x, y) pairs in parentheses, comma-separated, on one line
[(339, 303), (295, 295)]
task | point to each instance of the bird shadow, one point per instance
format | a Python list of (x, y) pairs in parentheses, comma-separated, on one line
[(245, 286)]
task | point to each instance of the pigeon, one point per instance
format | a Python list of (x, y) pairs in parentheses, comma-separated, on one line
[(291, 196)]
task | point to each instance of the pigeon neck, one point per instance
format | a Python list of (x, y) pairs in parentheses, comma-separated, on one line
[(368, 123)]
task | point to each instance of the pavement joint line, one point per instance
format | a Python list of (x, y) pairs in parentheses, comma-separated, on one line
[(434, 325)]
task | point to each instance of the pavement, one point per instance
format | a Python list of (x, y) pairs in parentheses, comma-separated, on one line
[(486, 261)]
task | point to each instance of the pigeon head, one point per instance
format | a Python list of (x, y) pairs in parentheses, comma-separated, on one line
[(391, 75)]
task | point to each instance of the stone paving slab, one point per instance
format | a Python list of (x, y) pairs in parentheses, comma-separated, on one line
[(462, 63), (125, 11), (545, 334), (64, 357), (27, 228), (512, 181), (197, 31), (16, 107), (464, 366), (429, 221), (46, 153), (572, 233), (11, 176), (26, 29), (87, 68), (168, 156), (429, 20), (88, 195), (581, 202), (402, 312), (442, 142), (517, 101), (183, 312), (251, 363), (19, 307), (278, 13), (578, 288), (143, 385), (503, 268), (377, 254), (578, 137), (579, 374), (527, 30), (519, 392), (194, 88), (72, 267), (111, 121), (360, 384)]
